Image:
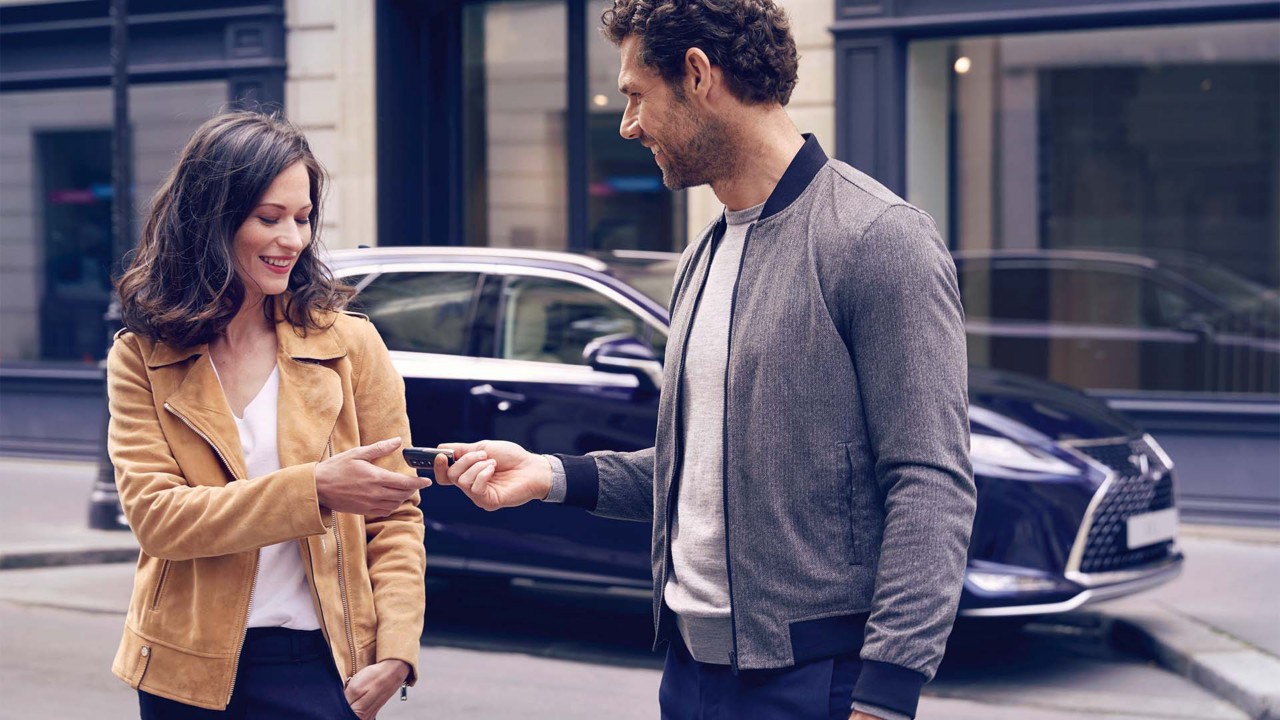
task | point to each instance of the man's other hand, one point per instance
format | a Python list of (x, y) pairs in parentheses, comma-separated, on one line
[(495, 474)]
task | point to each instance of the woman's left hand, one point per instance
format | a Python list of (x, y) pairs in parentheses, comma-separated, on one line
[(373, 686)]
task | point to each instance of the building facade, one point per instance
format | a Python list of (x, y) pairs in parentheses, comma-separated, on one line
[(1106, 171)]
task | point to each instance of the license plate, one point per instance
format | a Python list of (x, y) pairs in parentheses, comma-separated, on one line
[(1151, 528)]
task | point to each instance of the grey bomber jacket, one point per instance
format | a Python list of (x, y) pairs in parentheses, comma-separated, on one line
[(849, 497)]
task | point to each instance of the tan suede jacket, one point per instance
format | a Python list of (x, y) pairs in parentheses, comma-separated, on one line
[(200, 521)]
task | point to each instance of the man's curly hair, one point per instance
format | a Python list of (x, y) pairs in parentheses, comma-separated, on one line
[(749, 40)]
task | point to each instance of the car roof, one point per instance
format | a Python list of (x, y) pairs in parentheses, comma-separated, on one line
[(379, 255), (1106, 256)]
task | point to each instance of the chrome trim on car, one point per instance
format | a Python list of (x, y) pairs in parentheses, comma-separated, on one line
[(1151, 578), (1076, 331), (411, 254), (1059, 256), (1189, 406), (456, 367)]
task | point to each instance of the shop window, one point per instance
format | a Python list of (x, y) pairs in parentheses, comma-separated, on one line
[(515, 137), (75, 202), (1124, 181)]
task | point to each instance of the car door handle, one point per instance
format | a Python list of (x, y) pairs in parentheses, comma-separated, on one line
[(506, 400)]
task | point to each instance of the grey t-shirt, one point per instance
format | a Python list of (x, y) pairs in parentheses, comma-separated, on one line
[(698, 587)]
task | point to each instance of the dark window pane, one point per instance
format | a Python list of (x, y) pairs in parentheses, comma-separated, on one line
[(513, 130), (628, 206), (76, 198), (421, 311)]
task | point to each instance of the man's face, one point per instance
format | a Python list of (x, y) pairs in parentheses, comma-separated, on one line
[(691, 148)]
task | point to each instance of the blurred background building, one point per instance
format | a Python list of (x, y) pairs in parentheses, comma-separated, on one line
[(1106, 171)]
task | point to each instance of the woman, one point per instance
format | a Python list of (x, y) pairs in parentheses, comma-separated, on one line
[(255, 431)]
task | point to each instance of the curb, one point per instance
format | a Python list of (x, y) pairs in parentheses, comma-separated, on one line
[(26, 560), (1229, 668)]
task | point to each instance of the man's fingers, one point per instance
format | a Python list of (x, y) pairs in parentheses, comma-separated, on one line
[(460, 466), (441, 468), (460, 449), (469, 478), (483, 477)]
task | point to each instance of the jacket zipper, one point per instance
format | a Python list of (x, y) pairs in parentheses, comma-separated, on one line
[(724, 454), (203, 436), (342, 588), (253, 584), (342, 585)]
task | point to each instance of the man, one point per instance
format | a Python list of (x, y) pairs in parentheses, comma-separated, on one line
[(810, 488)]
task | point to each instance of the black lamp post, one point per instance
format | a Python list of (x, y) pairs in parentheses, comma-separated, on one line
[(104, 510)]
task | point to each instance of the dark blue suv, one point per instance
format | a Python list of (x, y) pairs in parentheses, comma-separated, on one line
[(562, 353)]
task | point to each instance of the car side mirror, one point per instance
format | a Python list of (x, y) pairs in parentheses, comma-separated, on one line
[(627, 355)]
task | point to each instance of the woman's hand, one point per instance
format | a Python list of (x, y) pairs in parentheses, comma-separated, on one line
[(349, 482), (371, 688)]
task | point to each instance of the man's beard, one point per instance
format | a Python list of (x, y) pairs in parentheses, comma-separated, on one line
[(704, 155)]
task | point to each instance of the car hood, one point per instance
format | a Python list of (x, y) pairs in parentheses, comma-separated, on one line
[(1057, 411)]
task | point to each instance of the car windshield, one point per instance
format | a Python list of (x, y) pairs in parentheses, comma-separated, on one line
[(652, 273)]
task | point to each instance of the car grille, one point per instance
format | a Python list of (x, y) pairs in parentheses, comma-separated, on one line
[(1131, 492)]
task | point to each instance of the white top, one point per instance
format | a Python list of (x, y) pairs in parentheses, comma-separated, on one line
[(281, 597)]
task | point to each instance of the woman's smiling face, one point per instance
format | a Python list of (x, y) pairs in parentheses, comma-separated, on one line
[(269, 241)]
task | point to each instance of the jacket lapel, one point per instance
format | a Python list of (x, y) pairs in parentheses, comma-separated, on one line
[(310, 393), (201, 404)]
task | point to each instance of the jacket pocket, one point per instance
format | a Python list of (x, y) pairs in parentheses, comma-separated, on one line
[(164, 575), (857, 497)]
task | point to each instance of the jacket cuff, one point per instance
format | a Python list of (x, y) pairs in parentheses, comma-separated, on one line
[(877, 711), (408, 656), (581, 480), (313, 521), (889, 686)]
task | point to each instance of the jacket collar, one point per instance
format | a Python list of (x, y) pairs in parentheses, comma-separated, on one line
[(310, 399), (321, 344), (803, 168)]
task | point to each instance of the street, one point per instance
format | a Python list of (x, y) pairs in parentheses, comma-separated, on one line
[(491, 651)]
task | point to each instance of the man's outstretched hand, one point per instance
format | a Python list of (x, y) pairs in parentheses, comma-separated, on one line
[(495, 474)]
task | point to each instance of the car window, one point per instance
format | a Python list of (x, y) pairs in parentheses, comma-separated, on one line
[(1057, 294), (548, 320), (420, 311), (1003, 294)]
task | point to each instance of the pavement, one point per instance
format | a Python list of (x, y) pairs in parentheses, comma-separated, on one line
[(1218, 624)]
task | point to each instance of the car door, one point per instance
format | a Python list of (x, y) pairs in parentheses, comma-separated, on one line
[(426, 316), (538, 391)]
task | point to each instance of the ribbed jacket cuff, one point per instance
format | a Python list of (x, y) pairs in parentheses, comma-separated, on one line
[(889, 686), (582, 481)]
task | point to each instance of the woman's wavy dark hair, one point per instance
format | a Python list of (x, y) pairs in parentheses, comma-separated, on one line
[(181, 286), (750, 40)]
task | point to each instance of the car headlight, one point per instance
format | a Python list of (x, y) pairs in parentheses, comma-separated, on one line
[(994, 582), (1012, 455)]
